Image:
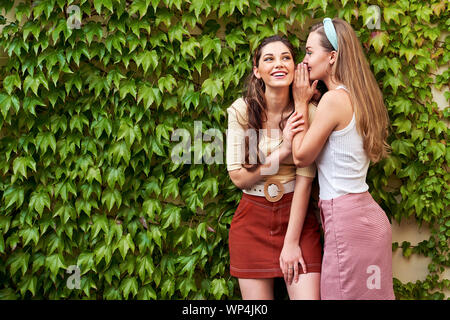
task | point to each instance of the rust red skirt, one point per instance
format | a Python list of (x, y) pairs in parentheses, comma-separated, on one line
[(257, 233)]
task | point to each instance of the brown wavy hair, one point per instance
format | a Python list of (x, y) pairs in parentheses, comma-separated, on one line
[(254, 96), (352, 69)]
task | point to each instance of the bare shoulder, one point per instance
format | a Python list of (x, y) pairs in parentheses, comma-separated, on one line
[(336, 101)]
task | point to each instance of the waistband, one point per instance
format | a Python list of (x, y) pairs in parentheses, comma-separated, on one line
[(355, 198), (272, 190)]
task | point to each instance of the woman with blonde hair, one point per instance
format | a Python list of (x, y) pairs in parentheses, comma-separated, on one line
[(350, 129), (274, 232)]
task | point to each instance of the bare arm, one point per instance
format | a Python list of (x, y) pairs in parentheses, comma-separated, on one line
[(291, 253), (244, 178), (307, 144)]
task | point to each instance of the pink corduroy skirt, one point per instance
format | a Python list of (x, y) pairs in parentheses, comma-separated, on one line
[(357, 260)]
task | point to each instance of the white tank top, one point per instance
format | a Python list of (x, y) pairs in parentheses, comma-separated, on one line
[(342, 164)]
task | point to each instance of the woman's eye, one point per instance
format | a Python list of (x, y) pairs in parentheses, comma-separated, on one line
[(308, 52), (287, 58), (267, 59)]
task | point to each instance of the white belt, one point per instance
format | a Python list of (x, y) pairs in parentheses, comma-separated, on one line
[(271, 189)]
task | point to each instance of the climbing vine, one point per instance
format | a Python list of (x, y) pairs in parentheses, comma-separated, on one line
[(92, 93)]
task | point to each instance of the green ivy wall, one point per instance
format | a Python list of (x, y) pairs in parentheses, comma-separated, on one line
[(87, 114)]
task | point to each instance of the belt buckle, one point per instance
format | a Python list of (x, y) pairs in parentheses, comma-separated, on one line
[(269, 190)]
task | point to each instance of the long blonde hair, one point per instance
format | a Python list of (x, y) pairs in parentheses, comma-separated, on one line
[(352, 69)]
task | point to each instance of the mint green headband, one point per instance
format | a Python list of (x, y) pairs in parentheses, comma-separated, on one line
[(330, 32)]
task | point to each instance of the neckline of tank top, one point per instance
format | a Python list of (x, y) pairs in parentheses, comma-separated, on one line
[(341, 86)]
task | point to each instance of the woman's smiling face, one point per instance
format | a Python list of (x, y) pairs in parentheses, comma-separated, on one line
[(275, 66)]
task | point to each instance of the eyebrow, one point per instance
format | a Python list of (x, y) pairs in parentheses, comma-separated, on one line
[(271, 54)]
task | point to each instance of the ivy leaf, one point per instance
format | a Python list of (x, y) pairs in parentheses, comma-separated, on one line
[(140, 6), (39, 200), (148, 95), (34, 83), (172, 216), (168, 288), (111, 197), (170, 187), (21, 164), (14, 194), (210, 44), (150, 207), (126, 243), (12, 81), (379, 40), (219, 288), (127, 87), (213, 87), (187, 285), (18, 259), (392, 13), (145, 267), (28, 234), (404, 125), (167, 83), (198, 6), (147, 59), (120, 150), (54, 263), (146, 293), (210, 185), (28, 283)]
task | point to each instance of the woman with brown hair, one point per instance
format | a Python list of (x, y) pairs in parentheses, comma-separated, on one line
[(350, 129), (274, 232)]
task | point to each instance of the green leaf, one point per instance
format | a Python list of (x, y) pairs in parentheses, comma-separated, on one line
[(14, 194), (140, 6), (170, 187), (219, 288), (379, 40), (28, 234), (127, 87), (210, 44), (18, 260), (403, 125), (171, 216), (188, 47), (28, 283), (168, 288), (38, 201), (145, 267), (392, 13), (11, 81), (150, 207), (149, 94), (187, 285), (147, 59), (111, 197), (147, 293), (125, 243), (6, 102), (213, 87), (54, 263), (167, 83)]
